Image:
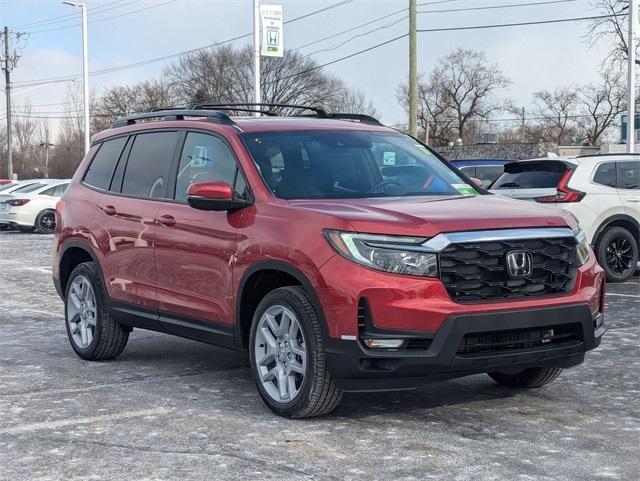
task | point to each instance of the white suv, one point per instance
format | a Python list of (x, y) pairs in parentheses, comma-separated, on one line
[(32, 207), (601, 191)]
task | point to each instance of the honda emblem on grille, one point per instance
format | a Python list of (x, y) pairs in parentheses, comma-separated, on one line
[(519, 264)]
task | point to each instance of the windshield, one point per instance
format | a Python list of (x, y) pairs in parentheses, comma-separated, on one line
[(350, 164)]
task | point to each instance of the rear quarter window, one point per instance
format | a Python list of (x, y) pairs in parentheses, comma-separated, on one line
[(628, 175), (101, 169)]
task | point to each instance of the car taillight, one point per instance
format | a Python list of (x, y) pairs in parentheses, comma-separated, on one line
[(564, 192), (17, 202)]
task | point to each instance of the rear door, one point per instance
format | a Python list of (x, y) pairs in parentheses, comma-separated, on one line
[(127, 213), (628, 183), (527, 180), (195, 248)]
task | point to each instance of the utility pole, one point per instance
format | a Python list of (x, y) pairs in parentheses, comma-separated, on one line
[(631, 64), (8, 62), (46, 146), (413, 70), (523, 127), (256, 53)]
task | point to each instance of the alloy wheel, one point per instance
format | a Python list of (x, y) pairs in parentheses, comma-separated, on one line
[(47, 222), (280, 354), (81, 312), (619, 256)]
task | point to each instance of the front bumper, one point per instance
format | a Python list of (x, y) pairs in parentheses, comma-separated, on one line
[(356, 368)]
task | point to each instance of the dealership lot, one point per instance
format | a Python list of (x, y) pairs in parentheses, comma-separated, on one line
[(169, 408)]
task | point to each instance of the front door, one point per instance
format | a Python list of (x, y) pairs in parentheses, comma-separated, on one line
[(195, 248)]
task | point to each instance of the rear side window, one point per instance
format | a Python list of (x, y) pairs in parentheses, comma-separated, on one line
[(488, 173), (628, 175), (531, 175), (205, 158), (606, 174), (56, 191), (104, 163), (149, 165), (470, 171)]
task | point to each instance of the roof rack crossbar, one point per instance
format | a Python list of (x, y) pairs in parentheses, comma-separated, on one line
[(363, 118), (174, 114), (320, 112)]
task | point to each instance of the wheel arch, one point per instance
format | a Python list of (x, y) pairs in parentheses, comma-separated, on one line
[(257, 281), (618, 220), (73, 253)]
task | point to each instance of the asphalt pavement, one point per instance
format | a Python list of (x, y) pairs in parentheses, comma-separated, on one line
[(173, 409)]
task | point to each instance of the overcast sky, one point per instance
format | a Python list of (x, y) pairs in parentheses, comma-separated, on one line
[(533, 58)]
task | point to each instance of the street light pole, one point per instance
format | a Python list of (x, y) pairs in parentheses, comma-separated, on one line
[(256, 53), (631, 65), (85, 73), (46, 146)]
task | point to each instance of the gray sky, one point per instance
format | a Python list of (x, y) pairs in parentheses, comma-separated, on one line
[(534, 57)]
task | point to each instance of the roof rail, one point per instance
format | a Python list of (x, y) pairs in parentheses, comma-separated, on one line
[(362, 118), (320, 112), (236, 107), (610, 154), (174, 114)]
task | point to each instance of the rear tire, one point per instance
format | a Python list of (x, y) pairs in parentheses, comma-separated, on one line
[(529, 378), (93, 333), (309, 390), (617, 253), (46, 222)]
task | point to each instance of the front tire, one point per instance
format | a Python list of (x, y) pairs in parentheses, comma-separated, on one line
[(528, 378), (287, 353), (617, 253), (93, 333)]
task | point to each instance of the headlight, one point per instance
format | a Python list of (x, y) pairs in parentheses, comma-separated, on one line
[(399, 255), (583, 246)]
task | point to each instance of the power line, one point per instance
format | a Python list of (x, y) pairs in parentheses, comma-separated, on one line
[(66, 78), (145, 9), (70, 16)]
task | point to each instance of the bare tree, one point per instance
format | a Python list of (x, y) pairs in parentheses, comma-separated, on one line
[(556, 111), (24, 131), (612, 29), (224, 75), (600, 105)]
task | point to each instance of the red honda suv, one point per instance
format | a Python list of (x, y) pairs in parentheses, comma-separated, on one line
[(341, 254)]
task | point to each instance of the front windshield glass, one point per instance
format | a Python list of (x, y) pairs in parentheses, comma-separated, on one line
[(350, 164)]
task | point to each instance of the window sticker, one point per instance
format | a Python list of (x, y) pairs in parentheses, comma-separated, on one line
[(389, 158), (465, 189)]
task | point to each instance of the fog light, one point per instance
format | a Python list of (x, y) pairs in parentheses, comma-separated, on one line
[(384, 343)]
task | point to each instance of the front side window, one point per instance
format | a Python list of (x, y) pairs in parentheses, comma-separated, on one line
[(205, 158), (149, 165), (350, 164), (628, 175), (104, 163), (606, 174)]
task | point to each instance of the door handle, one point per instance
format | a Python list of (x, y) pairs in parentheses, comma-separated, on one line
[(109, 209), (166, 220)]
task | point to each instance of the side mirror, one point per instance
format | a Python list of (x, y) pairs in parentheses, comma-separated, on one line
[(216, 196)]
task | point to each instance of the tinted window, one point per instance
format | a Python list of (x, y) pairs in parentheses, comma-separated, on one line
[(606, 174), (205, 158), (629, 175), (531, 175), (29, 188), (56, 191), (350, 164), (103, 164), (6, 186), (149, 165), (470, 171)]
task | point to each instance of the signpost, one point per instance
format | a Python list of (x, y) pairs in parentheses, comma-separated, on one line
[(272, 39)]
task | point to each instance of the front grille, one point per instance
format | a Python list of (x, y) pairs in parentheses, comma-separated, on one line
[(516, 340), (478, 271)]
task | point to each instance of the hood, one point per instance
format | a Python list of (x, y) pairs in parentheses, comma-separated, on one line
[(429, 216)]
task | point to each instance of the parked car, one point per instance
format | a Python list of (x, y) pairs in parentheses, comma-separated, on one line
[(485, 170), (31, 206), (341, 254), (5, 181), (601, 191)]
